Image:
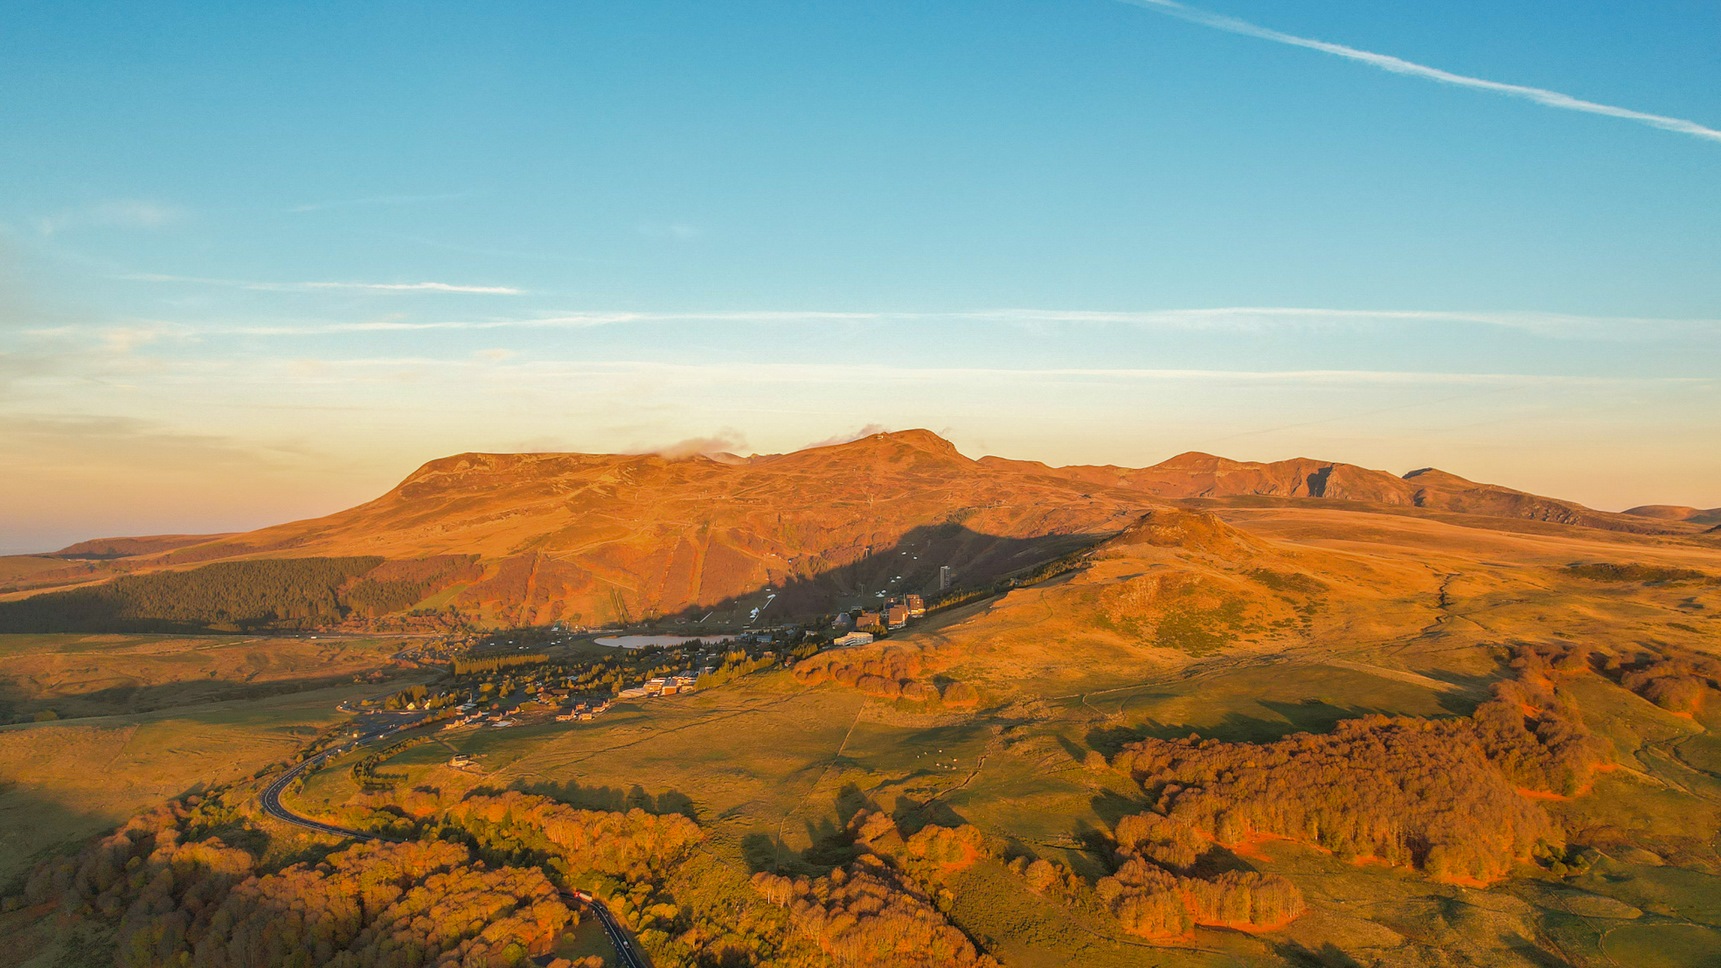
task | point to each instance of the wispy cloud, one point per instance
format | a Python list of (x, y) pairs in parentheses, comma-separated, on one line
[(399, 287), (376, 200), (849, 437), (1216, 319), (678, 231), (1398, 65), (120, 213), (725, 441), (552, 372), (446, 287)]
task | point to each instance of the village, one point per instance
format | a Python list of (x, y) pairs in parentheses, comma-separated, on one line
[(862, 627), (511, 678)]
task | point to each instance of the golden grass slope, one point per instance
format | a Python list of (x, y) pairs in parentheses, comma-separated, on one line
[(1391, 594)]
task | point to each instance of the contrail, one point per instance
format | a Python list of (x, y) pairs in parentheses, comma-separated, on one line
[(1398, 65)]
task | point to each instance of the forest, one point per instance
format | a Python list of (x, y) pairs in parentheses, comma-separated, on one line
[(883, 908), (1441, 796), (289, 593), (481, 881)]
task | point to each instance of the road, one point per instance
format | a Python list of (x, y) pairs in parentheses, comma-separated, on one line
[(271, 803), (270, 799), (626, 954)]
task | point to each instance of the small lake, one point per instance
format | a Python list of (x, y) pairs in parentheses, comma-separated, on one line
[(647, 641)]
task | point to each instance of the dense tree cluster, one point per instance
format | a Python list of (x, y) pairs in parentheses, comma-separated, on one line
[(1153, 902), (296, 593), (888, 672), (1442, 796), (1678, 680), (634, 845), (1164, 885), (184, 902), (928, 854), (1534, 732), (472, 665), (1408, 792), (1613, 572), (288, 593), (866, 915)]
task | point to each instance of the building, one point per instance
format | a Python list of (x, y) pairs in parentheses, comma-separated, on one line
[(946, 577), (916, 606), (853, 638), (897, 616), (867, 620)]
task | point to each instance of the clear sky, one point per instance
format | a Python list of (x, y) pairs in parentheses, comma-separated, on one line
[(258, 261)]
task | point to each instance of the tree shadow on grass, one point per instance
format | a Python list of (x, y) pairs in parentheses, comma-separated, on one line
[(583, 797), (1307, 716), (1327, 955)]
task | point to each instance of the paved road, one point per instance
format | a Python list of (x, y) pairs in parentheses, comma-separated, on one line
[(626, 953), (271, 802)]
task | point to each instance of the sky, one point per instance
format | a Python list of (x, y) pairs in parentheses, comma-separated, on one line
[(259, 261)]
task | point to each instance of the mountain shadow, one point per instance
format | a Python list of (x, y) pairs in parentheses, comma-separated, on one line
[(320, 593), (979, 563)]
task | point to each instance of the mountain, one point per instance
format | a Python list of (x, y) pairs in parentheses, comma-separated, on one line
[(1204, 475), (1198, 475), (593, 539), (597, 538), (1676, 512)]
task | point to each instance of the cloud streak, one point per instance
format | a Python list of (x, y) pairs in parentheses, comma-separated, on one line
[(1398, 65), (1215, 319), (445, 287), (129, 213), (350, 370), (378, 200), (403, 287)]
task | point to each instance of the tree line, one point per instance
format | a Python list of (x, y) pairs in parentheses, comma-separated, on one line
[(286, 593)]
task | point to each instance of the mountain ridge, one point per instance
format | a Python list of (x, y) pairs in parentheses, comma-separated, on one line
[(603, 537)]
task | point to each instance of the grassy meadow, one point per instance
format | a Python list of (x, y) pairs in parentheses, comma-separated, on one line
[(140, 719)]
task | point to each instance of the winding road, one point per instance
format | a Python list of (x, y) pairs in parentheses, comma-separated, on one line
[(270, 799)]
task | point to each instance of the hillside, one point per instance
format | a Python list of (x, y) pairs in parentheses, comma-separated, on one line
[(601, 538), (1676, 512), (1197, 475), (594, 539), (99, 548)]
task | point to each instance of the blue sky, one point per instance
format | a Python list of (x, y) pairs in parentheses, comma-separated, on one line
[(258, 261)]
